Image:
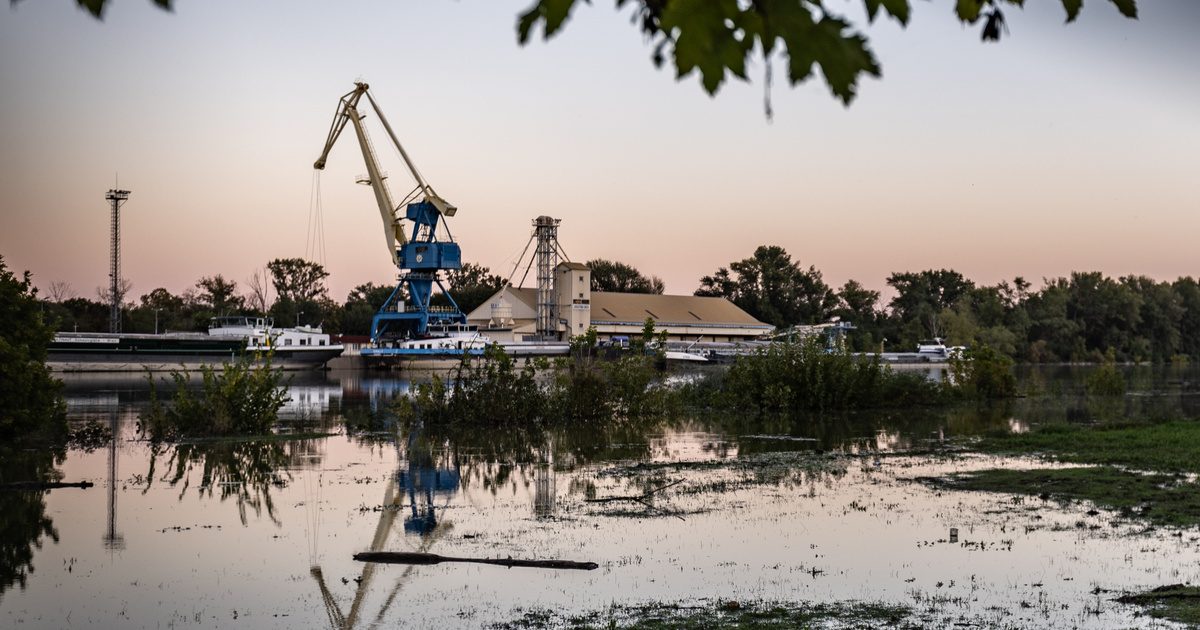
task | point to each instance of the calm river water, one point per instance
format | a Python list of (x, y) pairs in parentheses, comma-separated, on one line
[(262, 535)]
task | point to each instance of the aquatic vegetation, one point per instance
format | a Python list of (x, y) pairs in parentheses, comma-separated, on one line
[(1175, 602), (241, 398), (724, 614), (1157, 498), (984, 372), (1106, 380), (795, 376), (493, 390), (1169, 447)]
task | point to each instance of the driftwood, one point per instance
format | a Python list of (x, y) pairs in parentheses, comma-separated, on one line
[(44, 485), (640, 498), (404, 557)]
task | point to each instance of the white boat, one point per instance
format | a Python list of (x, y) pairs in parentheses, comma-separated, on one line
[(449, 342), (300, 346)]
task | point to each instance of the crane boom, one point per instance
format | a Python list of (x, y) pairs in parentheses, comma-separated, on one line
[(422, 255), (388, 211)]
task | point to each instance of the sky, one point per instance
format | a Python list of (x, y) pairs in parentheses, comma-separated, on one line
[(1063, 147)]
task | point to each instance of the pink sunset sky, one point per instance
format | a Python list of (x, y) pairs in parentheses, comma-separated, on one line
[(1064, 147)]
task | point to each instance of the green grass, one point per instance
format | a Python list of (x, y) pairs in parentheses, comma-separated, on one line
[(1169, 447), (1175, 602), (1160, 499), (729, 614)]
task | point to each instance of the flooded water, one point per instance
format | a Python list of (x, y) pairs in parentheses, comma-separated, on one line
[(820, 510)]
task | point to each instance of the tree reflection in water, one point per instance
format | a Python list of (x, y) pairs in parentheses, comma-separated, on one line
[(245, 471), (23, 519)]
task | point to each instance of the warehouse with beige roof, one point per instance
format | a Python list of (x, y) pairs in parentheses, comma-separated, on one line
[(512, 313)]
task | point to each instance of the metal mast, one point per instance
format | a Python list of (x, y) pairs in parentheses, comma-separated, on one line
[(116, 198), (546, 229)]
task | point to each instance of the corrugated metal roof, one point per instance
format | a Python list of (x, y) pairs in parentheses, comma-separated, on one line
[(574, 266), (677, 309)]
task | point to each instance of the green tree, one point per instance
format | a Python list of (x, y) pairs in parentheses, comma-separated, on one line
[(1187, 290), (30, 398), (1159, 315), (617, 277), (921, 298), (773, 288), (1054, 335), (1106, 310), (297, 279), (361, 305), (719, 38), (472, 285), (859, 306), (219, 295)]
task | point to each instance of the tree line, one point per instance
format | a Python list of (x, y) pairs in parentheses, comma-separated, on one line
[(1076, 318), (292, 291)]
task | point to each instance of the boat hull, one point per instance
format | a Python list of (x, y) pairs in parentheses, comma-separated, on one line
[(161, 353)]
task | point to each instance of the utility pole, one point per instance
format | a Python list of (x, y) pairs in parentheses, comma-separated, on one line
[(116, 198)]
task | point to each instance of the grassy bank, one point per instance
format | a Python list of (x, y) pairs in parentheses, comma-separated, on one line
[(1175, 603), (1170, 447), (1159, 499), (1139, 470)]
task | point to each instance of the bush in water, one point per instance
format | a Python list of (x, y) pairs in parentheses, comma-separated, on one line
[(239, 399)]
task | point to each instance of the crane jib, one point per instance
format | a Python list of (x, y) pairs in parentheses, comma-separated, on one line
[(420, 257)]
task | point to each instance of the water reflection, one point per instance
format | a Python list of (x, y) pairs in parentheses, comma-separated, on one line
[(387, 485), (24, 523), (246, 471), (428, 473)]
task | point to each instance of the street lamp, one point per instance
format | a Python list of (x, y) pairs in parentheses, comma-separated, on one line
[(156, 320), (299, 314)]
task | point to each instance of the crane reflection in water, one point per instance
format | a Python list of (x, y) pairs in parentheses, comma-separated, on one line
[(428, 475)]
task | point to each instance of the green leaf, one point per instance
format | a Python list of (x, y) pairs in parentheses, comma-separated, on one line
[(1072, 7), (1128, 8), (898, 9), (552, 13), (969, 10), (95, 7), (842, 56), (705, 39)]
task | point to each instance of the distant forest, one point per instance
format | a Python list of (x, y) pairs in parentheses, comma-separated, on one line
[(1077, 318)]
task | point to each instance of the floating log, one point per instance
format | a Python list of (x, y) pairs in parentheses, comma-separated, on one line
[(640, 498), (405, 557), (44, 485)]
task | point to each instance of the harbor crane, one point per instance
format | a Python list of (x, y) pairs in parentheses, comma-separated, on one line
[(420, 255)]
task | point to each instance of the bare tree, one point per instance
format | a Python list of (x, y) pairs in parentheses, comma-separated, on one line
[(123, 288), (259, 296), (60, 292)]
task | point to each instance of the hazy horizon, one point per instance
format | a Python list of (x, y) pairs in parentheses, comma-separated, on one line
[(1062, 148)]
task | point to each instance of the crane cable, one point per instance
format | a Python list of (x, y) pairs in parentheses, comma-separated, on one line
[(314, 240)]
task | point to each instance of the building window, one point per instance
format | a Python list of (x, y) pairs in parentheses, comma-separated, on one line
[(581, 278)]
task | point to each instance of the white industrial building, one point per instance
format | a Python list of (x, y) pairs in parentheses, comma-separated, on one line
[(512, 313)]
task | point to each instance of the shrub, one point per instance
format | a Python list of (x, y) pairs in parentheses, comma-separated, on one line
[(794, 376), (984, 372), (240, 399), (1106, 380), (30, 398)]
